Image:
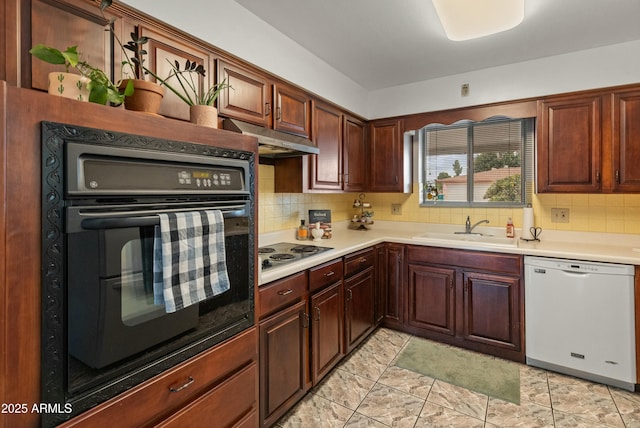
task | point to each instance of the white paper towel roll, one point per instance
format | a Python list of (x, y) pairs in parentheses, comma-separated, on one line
[(527, 222)]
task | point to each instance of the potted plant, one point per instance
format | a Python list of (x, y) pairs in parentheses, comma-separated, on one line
[(92, 84), (201, 104), (141, 94)]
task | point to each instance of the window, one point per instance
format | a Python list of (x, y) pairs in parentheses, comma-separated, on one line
[(477, 163)]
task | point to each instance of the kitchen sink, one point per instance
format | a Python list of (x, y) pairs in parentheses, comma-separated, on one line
[(475, 238)]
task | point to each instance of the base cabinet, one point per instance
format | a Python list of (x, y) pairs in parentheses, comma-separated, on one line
[(476, 303), (390, 278), (219, 385), (359, 280), (327, 326), (283, 361)]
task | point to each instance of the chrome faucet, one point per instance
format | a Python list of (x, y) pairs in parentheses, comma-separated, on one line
[(468, 228)]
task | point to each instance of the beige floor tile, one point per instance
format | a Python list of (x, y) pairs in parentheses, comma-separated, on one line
[(345, 388), (527, 414), (391, 407), (316, 412), (407, 381), (459, 399), (433, 415)]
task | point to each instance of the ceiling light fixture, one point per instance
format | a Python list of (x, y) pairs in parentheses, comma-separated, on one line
[(470, 19)]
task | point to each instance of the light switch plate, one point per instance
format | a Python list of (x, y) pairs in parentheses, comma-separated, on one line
[(396, 209)]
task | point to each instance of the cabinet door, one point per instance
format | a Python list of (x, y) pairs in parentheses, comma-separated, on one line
[(393, 283), (569, 140), (626, 141), (354, 155), (359, 318), (387, 157), (492, 310), (326, 166), (58, 25), (284, 361), (327, 328), (164, 51), (431, 298), (292, 112), (249, 97)]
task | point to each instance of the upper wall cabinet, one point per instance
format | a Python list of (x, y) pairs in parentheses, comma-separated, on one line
[(255, 98), (248, 98), (164, 51), (390, 157), (354, 154), (569, 144), (626, 141), (292, 110), (589, 143), (57, 25), (326, 166)]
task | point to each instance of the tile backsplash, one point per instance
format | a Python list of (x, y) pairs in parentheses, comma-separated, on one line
[(587, 212)]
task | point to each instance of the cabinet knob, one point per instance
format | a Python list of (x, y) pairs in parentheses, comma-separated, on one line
[(190, 380)]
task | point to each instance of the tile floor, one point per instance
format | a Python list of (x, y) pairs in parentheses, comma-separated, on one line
[(366, 390)]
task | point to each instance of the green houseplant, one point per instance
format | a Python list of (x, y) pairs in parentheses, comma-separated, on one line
[(141, 94), (201, 103), (92, 84)]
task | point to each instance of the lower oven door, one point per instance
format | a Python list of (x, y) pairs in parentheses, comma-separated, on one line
[(111, 310)]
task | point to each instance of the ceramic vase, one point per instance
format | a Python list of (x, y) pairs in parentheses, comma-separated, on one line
[(69, 85), (204, 115)]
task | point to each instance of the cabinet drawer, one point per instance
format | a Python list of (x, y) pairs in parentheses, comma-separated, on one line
[(358, 261), (325, 274), (281, 293), (162, 395), (230, 401)]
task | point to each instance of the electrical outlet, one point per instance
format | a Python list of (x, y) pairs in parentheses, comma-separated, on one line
[(560, 215), (464, 90), (396, 209)]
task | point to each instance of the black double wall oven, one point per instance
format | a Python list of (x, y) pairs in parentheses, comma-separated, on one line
[(102, 196)]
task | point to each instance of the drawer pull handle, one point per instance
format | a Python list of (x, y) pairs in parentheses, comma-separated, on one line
[(190, 380), (285, 292), (363, 260), (329, 273)]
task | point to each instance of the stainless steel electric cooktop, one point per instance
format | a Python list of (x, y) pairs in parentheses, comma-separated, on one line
[(279, 254)]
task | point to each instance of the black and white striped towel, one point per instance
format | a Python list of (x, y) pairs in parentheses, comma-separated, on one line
[(189, 263)]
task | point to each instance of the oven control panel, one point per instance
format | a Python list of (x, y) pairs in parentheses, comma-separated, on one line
[(118, 175)]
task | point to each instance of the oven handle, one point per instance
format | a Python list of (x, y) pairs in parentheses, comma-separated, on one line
[(119, 222)]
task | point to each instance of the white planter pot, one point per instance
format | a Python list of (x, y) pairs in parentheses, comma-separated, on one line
[(69, 85)]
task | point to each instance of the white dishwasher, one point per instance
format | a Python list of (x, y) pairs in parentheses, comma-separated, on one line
[(580, 319)]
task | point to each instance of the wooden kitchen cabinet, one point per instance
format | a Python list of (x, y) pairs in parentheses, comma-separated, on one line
[(163, 51), (255, 97), (248, 98), (292, 110), (431, 298), (327, 327), (492, 310), (284, 348), (354, 155), (466, 298), (327, 315), (391, 273), (219, 384), (325, 168), (390, 157), (359, 296), (570, 144), (626, 141), (589, 142)]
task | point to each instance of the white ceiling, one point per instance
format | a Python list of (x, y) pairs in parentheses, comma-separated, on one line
[(384, 43)]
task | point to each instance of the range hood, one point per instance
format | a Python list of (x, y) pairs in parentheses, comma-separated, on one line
[(273, 144)]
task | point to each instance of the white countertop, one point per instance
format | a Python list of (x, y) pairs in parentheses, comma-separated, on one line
[(588, 246)]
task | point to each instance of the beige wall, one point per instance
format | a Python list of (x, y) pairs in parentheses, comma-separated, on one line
[(587, 213)]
